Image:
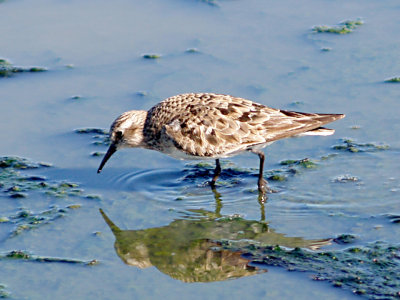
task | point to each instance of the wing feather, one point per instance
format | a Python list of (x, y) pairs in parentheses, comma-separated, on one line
[(218, 125)]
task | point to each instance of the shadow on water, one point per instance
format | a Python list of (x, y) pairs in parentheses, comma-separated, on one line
[(191, 249)]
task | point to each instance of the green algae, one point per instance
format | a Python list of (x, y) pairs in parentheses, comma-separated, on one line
[(192, 50), (74, 206), (344, 27), (393, 80), (205, 169), (25, 220), (76, 97), (97, 154), (292, 167), (26, 256), (7, 69), (3, 292), (18, 185), (15, 162), (91, 131), (151, 56), (277, 177), (354, 147), (231, 174), (100, 137), (372, 270), (93, 197), (304, 163), (15, 183), (345, 239)]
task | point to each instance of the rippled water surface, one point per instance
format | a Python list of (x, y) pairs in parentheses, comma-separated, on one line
[(162, 230)]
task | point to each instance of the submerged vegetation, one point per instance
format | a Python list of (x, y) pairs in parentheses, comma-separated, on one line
[(25, 220), (354, 147), (7, 69), (231, 174), (15, 183), (373, 270), (304, 163), (14, 162), (344, 27), (100, 137)]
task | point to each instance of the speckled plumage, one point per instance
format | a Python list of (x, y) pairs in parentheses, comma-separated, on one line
[(206, 125)]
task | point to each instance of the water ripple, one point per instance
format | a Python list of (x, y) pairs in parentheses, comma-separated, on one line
[(189, 187)]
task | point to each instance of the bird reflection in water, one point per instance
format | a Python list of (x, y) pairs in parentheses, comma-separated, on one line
[(190, 249)]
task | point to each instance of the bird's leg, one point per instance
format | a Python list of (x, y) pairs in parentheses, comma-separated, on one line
[(217, 172), (262, 183)]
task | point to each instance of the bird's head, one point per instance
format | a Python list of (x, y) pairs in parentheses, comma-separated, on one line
[(125, 132)]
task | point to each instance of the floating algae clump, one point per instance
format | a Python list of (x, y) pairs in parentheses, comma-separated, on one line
[(7, 69), (3, 292), (25, 256), (26, 220), (354, 147), (344, 27), (305, 163), (393, 80), (100, 136), (277, 177), (151, 56), (20, 163), (16, 185)]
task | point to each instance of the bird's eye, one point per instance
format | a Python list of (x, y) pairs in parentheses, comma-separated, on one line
[(118, 135)]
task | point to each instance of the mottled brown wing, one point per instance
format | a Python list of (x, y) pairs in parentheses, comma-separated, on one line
[(290, 123), (221, 125)]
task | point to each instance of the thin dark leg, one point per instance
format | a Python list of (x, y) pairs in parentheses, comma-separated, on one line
[(262, 183), (217, 172)]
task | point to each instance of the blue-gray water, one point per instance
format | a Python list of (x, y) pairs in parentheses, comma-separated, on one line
[(263, 51)]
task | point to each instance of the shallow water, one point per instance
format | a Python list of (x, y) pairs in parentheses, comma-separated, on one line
[(266, 52)]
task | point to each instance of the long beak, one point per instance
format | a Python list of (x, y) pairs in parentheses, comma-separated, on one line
[(110, 152)]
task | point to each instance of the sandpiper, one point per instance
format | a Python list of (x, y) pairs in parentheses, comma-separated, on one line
[(212, 126)]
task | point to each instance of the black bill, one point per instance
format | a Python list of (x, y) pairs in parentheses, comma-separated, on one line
[(109, 153)]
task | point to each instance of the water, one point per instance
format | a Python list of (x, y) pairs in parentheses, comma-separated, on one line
[(262, 51)]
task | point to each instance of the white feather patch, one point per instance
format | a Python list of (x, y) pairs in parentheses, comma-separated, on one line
[(319, 131)]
